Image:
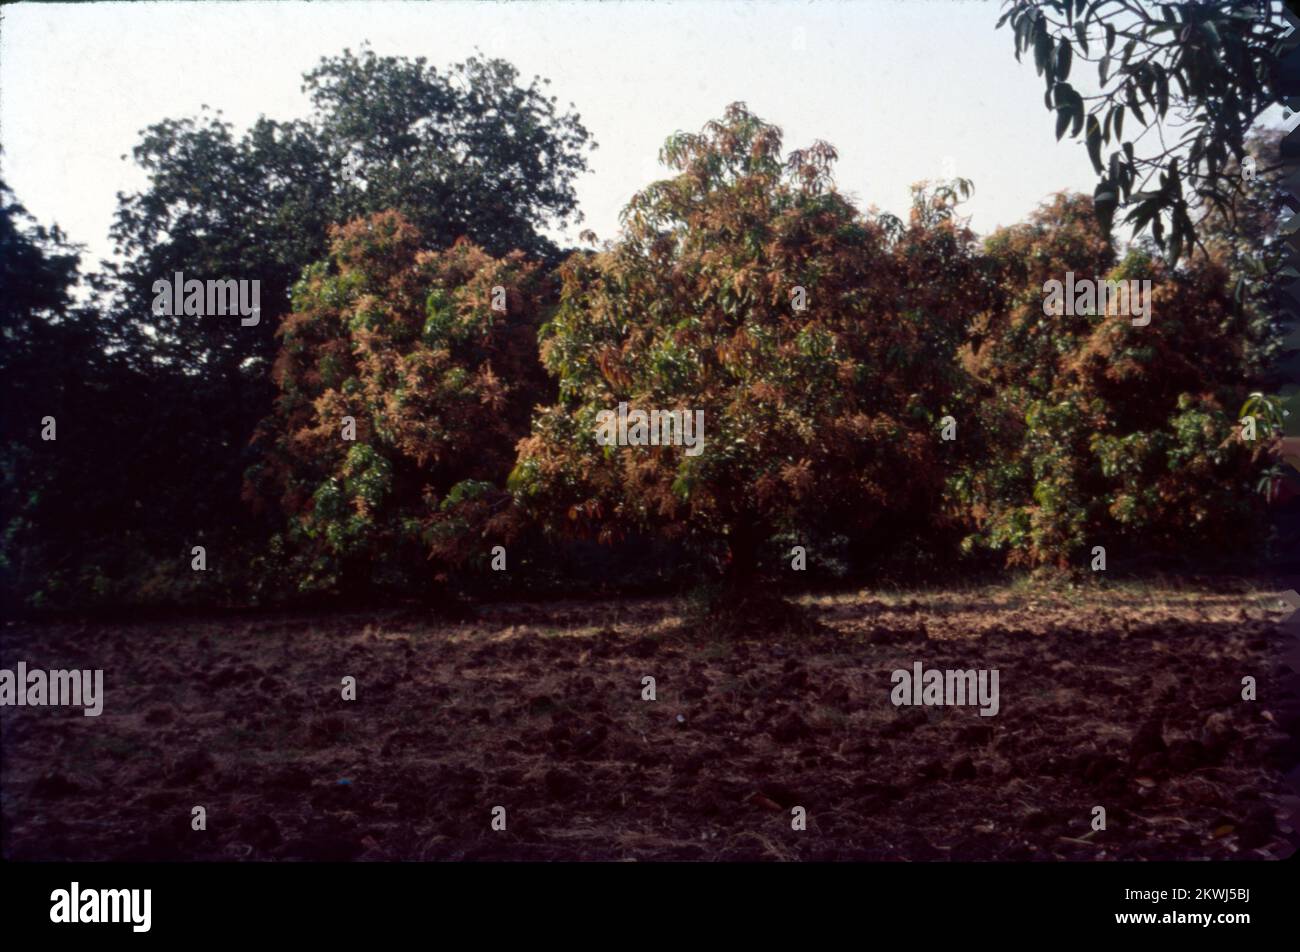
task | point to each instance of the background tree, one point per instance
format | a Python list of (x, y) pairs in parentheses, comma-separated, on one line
[(64, 497), (470, 151), (1246, 237), (464, 153)]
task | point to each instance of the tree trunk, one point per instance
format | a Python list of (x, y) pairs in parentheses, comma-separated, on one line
[(741, 576)]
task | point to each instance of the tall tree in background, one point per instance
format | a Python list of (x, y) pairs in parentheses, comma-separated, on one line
[(56, 460), (467, 152), (464, 153)]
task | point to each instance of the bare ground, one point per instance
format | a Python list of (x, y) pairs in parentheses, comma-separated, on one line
[(1125, 698)]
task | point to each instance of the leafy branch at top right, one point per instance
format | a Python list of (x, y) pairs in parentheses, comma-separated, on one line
[(1190, 79)]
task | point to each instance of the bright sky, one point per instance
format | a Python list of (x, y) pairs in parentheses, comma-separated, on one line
[(897, 86)]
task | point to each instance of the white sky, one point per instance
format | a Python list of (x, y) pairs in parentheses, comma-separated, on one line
[(895, 85)]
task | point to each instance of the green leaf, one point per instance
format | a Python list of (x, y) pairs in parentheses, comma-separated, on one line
[(1063, 113), (1023, 27), (1143, 213), (1093, 139), (1130, 95), (1042, 50), (1077, 113), (1129, 47), (1104, 202), (1064, 56)]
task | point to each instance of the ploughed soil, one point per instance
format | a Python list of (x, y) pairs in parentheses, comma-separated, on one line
[(1127, 698)]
